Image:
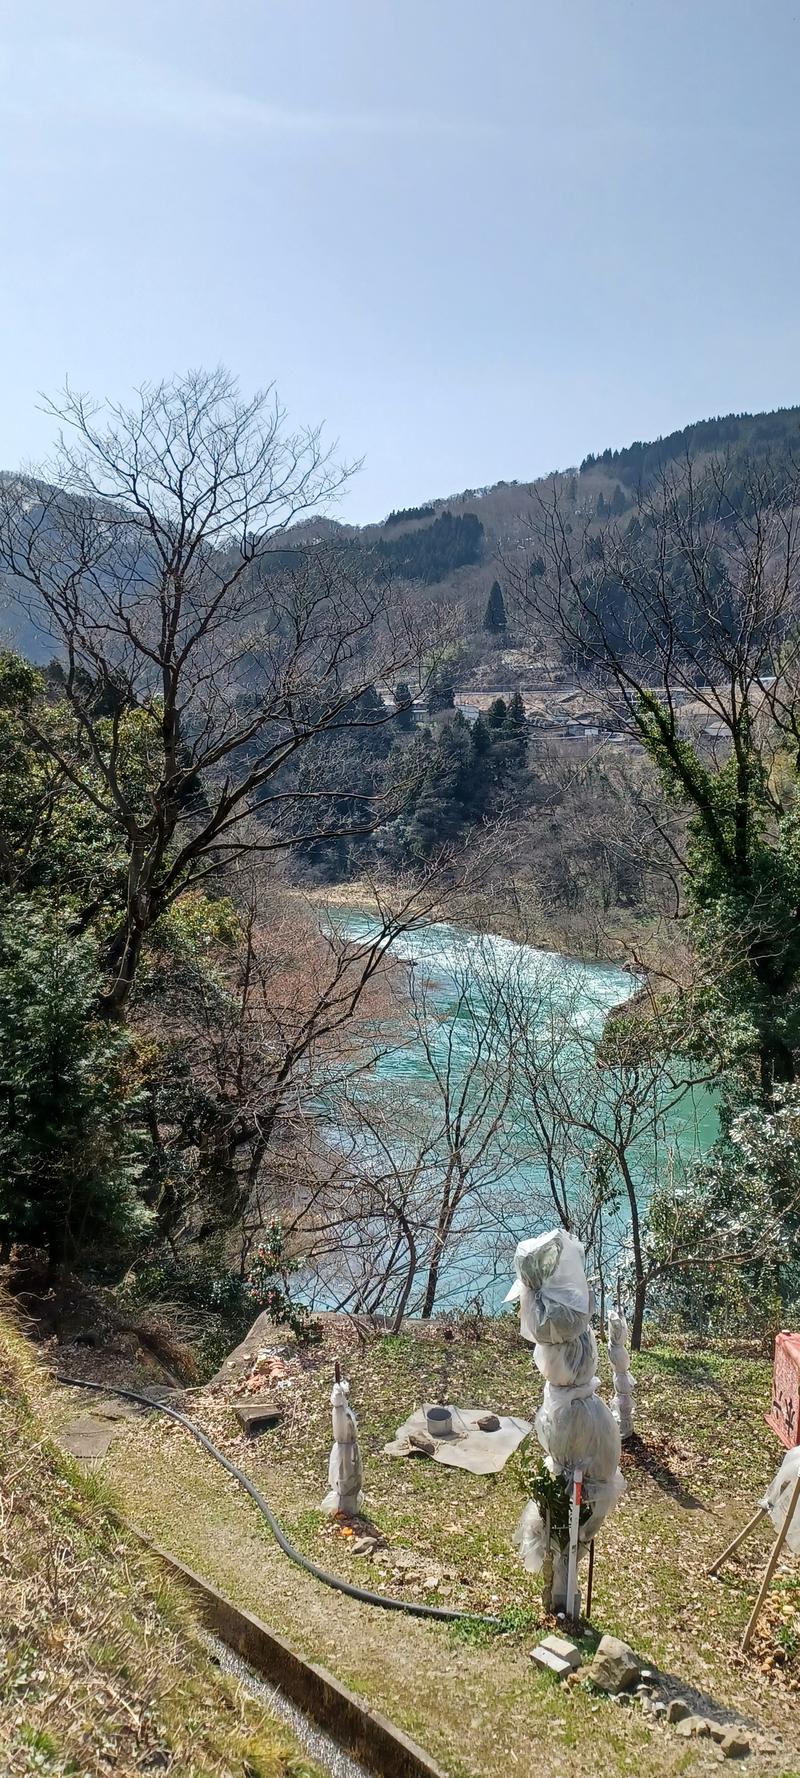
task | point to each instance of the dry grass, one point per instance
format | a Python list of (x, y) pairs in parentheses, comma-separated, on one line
[(100, 1670), (704, 1456)]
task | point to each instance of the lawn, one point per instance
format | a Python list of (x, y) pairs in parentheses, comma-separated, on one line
[(471, 1697)]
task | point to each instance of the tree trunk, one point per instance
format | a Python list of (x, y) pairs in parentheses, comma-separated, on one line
[(122, 960), (637, 1325), (431, 1288)]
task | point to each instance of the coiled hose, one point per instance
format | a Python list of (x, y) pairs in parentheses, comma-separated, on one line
[(362, 1594)]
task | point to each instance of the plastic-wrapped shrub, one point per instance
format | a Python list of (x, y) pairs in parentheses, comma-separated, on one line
[(569, 1363), (578, 1431), (345, 1468), (554, 1296), (779, 1494), (624, 1383)]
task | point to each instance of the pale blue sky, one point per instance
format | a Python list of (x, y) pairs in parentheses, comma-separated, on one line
[(478, 239)]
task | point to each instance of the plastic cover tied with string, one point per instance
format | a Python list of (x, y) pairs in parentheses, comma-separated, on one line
[(624, 1385), (345, 1468), (575, 1428), (778, 1497), (555, 1302)]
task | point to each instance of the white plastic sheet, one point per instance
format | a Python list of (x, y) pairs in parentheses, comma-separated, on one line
[(345, 1468), (622, 1405), (578, 1431), (555, 1301), (778, 1495), (570, 1363), (530, 1538)]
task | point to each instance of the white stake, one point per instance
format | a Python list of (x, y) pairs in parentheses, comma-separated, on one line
[(574, 1527)]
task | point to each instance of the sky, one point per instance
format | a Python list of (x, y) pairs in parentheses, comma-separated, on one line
[(476, 238)]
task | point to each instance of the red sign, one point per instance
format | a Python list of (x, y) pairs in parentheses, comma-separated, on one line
[(784, 1415)]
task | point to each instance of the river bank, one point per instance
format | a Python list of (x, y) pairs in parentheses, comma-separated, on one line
[(644, 943)]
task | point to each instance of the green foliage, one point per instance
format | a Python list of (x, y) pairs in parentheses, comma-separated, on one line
[(638, 463), (453, 779), (741, 1204), (228, 1299), (69, 1158), (551, 1493), (494, 617), (404, 706), (433, 551), (267, 1284)]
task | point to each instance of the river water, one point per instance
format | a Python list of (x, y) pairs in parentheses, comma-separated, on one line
[(455, 1069)]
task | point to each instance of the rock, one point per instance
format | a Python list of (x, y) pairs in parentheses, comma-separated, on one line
[(88, 1436), (615, 1666), (489, 1423), (659, 1709), (719, 1730), (734, 1745), (561, 1646), (256, 1417), (649, 1675), (544, 1657), (677, 1709), (420, 1445), (691, 1726)]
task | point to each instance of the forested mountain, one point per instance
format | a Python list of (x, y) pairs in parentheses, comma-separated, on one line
[(448, 548)]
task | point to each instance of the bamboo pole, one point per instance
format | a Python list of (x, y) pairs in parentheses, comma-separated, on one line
[(590, 1581), (760, 1514), (770, 1568)]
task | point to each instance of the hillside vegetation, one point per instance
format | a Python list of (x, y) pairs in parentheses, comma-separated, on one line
[(101, 1670)]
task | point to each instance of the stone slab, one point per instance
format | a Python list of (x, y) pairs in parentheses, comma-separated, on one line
[(255, 1417), (468, 1447), (550, 1662), (88, 1436), (563, 1648)]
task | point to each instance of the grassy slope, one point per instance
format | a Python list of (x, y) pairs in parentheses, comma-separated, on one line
[(479, 1706), (100, 1670)]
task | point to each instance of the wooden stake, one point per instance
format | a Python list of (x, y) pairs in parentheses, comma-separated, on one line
[(760, 1514), (770, 1568), (547, 1569), (337, 1371), (590, 1581)]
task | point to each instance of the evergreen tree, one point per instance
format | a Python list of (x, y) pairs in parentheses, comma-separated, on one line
[(68, 1159), (404, 706), (494, 617), (441, 692)]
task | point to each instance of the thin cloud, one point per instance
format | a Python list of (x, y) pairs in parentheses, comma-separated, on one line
[(87, 81)]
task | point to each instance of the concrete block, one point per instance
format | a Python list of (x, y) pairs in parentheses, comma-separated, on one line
[(561, 1646), (550, 1663)]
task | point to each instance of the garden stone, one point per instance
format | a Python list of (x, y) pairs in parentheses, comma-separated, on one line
[(561, 1646), (692, 1725), (615, 1666), (734, 1745), (677, 1709), (551, 1663), (256, 1417)]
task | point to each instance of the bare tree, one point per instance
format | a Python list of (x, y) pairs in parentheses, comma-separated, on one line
[(150, 559), (249, 1041)]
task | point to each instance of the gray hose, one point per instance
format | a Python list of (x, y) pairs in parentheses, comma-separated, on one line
[(329, 1580)]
